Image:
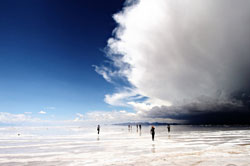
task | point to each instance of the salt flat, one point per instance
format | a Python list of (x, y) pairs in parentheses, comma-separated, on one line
[(116, 145)]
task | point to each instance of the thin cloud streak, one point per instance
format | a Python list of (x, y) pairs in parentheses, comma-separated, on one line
[(42, 112), (8, 118)]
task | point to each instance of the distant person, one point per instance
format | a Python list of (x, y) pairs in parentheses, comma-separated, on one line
[(168, 127), (152, 131), (98, 129), (140, 129)]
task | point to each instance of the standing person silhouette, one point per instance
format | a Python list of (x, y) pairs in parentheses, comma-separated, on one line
[(152, 131), (129, 127), (168, 127), (140, 128), (98, 129)]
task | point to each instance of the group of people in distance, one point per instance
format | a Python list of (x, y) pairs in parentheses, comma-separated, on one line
[(152, 130), (138, 126)]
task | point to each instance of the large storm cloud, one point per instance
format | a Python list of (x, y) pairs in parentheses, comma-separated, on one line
[(194, 56)]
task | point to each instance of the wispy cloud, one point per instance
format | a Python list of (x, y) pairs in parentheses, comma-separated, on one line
[(8, 118), (42, 112), (106, 117), (79, 117), (122, 98)]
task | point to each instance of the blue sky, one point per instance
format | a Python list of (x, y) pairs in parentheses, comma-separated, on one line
[(47, 52), (124, 60)]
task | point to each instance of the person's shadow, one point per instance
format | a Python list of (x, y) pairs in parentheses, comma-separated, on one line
[(98, 138)]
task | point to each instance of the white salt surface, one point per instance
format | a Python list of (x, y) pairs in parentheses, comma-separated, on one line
[(81, 146)]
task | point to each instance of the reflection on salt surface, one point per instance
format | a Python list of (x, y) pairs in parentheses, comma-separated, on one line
[(153, 148), (185, 145)]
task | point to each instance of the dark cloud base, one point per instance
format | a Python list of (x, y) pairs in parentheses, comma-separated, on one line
[(224, 113), (231, 113), (225, 117), (220, 118)]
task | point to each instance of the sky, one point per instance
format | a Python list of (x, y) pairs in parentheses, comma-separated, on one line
[(119, 61), (47, 52)]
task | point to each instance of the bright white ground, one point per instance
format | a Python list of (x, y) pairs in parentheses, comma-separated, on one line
[(81, 146)]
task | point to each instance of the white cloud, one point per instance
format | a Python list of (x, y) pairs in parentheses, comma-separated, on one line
[(115, 117), (109, 117), (79, 117), (42, 112), (179, 52), (9, 118), (122, 98), (105, 72)]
